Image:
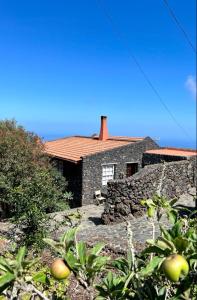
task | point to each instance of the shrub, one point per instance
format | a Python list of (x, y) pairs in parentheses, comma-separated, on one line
[(29, 185)]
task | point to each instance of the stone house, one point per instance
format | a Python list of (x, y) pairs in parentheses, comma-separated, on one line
[(88, 163)]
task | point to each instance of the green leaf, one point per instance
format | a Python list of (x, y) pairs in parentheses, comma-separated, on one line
[(176, 230), (169, 244), (173, 201), (20, 256), (68, 238), (122, 265), (99, 262), (81, 252), (97, 248), (4, 265), (41, 277), (181, 243), (154, 249), (150, 241), (172, 216), (5, 279), (152, 266), (162, 244), (90, 259), (108, 281), (165, 233), (71, 260)]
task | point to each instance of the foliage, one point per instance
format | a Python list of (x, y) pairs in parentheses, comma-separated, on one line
[(22, 278), (158, 205), (143, 278), (85, 263), (29, 185), (135, 276)]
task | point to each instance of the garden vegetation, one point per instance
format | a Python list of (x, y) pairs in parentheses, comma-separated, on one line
[(165, 270), (30, 187)]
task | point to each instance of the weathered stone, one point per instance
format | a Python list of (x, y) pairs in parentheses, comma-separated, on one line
[(172, 179), (92, 169)]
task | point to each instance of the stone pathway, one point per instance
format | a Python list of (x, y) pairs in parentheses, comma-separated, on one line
[(115, 236), (92, 230)]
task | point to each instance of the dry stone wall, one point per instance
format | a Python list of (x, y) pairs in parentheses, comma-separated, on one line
[(170, 179)]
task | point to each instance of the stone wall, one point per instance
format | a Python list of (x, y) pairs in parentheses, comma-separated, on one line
[(92, 166), (170, 179)]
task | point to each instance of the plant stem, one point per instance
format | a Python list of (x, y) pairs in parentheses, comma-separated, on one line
[(128, 280), (153, 233), (131, 246), (38, 292), (20, 285), (166, 295)]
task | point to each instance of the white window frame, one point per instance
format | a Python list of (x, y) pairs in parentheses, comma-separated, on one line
[(108, 173)]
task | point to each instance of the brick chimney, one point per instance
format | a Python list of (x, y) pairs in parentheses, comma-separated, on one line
[(103, 136)]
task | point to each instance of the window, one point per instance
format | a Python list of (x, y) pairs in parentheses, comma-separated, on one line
[(107, 173)]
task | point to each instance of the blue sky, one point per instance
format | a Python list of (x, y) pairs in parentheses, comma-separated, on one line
[(62, 65)]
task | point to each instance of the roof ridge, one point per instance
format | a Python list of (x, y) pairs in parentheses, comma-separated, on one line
[(111, 138)]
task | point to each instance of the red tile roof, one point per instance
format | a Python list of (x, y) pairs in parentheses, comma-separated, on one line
[(76, 147), (173, 152)]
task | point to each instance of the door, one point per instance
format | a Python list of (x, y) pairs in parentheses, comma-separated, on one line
[(132, 168)]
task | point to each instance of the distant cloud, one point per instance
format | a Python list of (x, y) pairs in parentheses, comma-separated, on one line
[(190, 84)]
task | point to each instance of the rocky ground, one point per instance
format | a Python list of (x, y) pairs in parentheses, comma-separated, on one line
[(92, 230)]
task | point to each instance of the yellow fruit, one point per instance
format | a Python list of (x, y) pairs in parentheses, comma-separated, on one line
[(175, 266), (59, 269)]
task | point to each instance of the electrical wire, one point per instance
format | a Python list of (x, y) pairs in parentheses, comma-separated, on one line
[(119, 34), (178, 23)]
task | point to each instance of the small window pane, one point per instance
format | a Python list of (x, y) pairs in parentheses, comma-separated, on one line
[(107, 173)]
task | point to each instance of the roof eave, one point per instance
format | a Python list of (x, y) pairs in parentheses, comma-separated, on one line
[(63, 158)]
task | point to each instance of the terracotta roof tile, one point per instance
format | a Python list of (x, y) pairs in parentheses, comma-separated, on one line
[(76, 147), (173, 152)]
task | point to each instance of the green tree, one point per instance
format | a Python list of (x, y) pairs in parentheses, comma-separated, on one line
[(30, 187)]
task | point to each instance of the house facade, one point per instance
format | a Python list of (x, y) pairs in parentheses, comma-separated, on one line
[(88, 163), (99, 168)]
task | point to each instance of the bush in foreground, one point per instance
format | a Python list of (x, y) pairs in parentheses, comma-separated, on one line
[(137, 276), (29, 185)]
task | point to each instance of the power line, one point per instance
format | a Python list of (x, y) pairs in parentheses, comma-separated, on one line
[(178, 23), (156, 92)]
